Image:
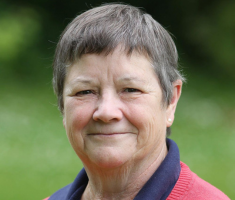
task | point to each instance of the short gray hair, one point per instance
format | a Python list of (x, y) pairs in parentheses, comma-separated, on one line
[(102, 29)]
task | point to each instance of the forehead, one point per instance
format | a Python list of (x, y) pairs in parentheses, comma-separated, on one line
[(117, 62)]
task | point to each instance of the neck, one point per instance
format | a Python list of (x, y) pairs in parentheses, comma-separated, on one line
[(112, 184)]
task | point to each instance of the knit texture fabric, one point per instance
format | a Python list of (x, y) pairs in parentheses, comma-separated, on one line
[(191, 187)]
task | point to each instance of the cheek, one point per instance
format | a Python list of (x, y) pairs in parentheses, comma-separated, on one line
[(151, 126), (76, 118), (77, 114)]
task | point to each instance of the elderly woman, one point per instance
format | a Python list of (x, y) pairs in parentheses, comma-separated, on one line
[(117, 82)]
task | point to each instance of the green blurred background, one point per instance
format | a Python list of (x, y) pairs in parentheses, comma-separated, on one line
[(36, 158)]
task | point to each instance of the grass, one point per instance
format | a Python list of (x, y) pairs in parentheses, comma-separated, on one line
[(36, 157)]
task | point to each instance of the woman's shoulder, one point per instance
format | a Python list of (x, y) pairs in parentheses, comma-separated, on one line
[(190, 186)]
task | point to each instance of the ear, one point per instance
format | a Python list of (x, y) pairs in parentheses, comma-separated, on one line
[(170, 113)]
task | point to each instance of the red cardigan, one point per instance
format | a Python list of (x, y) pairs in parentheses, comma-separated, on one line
[(190, 187)]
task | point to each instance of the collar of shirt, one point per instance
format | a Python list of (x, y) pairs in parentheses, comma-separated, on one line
[(161, 183)]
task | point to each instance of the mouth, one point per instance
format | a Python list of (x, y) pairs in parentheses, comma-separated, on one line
[(110, 137), (107, 134)]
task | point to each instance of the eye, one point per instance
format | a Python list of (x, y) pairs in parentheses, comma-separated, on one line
[(84, 92), (130, 90)]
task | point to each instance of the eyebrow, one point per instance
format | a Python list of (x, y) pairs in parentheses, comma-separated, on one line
[(74, 82), (83, 80), (89, 81), (131, 79)]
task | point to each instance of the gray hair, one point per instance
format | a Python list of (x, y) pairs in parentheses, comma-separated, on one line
[(102, 29)]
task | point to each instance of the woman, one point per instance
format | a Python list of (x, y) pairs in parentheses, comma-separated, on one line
[(117, 83)]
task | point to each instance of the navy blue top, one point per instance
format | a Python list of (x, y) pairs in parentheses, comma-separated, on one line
[(158, 187)]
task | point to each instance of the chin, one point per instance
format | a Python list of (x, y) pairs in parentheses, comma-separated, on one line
[(109, 157)]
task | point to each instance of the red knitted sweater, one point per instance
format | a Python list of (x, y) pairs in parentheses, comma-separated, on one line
[(190, 187)]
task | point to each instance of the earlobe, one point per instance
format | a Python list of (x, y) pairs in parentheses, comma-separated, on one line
[(177, 86), (64, 123)]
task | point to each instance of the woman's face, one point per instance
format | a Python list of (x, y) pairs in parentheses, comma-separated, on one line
[(113, 111)]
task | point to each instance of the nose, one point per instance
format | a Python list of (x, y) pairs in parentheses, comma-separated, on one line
[(108, 109)]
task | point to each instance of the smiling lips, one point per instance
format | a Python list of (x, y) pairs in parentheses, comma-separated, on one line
[(108, 134)]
